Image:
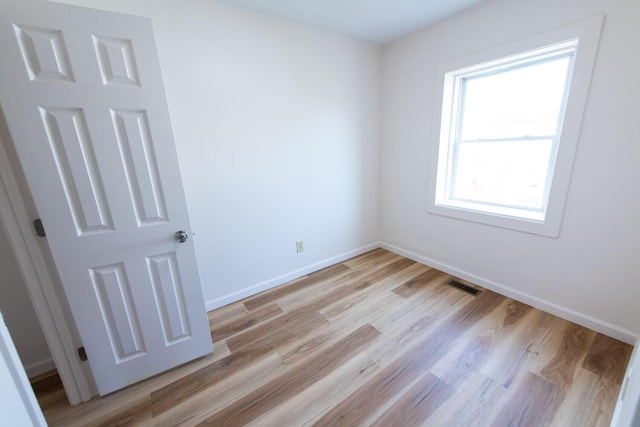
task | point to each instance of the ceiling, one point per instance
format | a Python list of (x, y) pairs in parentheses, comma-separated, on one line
[(376, 21)]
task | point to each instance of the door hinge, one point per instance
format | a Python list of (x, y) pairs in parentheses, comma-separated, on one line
[(37, 224), (82, 354)]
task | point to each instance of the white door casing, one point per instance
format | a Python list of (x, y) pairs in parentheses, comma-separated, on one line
[(83, 96), (18, 403)]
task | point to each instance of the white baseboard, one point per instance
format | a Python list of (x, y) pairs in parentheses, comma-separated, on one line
[(276, 281), (544, 305), (583, 319), (37, 368)]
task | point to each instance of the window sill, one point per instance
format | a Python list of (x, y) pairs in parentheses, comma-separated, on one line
[(511, 219)]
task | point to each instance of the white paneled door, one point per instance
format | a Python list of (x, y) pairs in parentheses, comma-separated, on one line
[(82, 93)]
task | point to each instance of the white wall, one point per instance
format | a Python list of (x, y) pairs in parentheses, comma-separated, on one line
[(589, 273), (19, 313), (276, 127)]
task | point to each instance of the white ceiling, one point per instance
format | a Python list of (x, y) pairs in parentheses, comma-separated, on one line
[(377, 21)]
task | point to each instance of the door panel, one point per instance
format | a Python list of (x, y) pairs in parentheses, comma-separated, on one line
[(77, 167), (83, 96), (44, 53), (141, 167), (167, 288), (116, 60), (117, 310)]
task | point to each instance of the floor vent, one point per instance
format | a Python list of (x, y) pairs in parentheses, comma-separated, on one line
[(465, 288)]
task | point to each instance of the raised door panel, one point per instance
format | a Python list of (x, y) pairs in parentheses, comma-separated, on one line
[(77, 165), (139, 159)]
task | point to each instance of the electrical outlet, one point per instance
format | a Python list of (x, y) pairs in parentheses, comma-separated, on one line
[(299, 246)]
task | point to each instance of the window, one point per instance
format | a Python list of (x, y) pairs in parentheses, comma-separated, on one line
[(508, 131), (504, 124)]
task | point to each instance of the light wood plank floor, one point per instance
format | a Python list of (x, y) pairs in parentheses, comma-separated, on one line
[(376, 340)]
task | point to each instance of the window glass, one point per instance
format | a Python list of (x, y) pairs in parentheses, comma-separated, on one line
[(508, 173), (524, 101)]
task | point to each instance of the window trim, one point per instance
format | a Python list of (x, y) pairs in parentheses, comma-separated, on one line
[(587, 33)]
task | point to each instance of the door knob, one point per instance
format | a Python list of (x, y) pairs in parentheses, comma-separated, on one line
[(181, 236)]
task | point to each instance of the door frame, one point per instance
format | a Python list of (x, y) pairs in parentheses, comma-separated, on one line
[(55, 320), (23, 403)]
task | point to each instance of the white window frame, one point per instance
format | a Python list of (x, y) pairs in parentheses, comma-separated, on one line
[(451, 127), (547, 222)]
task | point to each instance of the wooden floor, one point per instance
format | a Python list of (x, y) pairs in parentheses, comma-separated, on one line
[(377, 340)]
